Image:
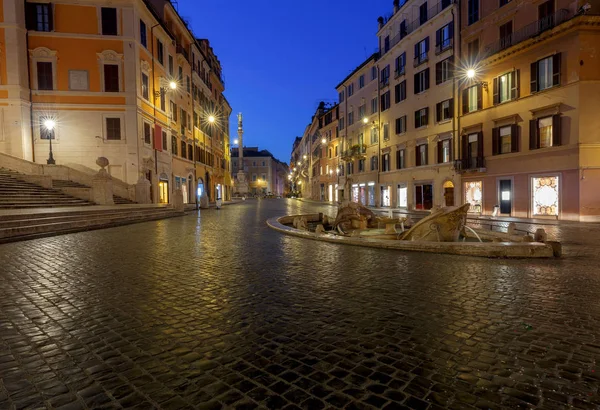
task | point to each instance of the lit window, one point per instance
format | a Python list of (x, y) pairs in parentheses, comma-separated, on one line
[(545, 132)]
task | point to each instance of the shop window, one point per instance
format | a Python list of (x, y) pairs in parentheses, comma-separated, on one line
[(423, 197), (546, 196), (474, 195)]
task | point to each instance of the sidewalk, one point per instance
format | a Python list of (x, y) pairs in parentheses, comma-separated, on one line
[(192, 207), (477, 219)]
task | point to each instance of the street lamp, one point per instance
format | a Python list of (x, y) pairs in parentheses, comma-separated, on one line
[(235, 141), (49, 125), (173, 85), (211, 119), (323, 141), (365, 120), (304, 156), (471, 73)]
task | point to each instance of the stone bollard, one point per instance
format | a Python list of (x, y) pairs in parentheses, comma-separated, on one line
[(178, 200), (320, 229), (512, 228), (102, 192), (142, 191)]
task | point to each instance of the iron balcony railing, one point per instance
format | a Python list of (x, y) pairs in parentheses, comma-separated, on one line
[(529, 31), (408, 27), (181, 50), (469, 163), (399, 71), (446, 44), (420, 59)]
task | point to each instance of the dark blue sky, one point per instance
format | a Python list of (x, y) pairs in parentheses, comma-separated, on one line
[(280, 58)]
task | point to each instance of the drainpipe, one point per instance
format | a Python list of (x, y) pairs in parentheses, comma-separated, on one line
[(456, 118), (194, 138), (30, 96), (154, 104), (379, 136)]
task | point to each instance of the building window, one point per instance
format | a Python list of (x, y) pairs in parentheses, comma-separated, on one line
[(386, 131), (545, 132), (145, 90), (545, 196), (350, 118), (190, 154), (504, 2), (109, 21), (341, 124), (545, 73), (400, 154), (362, 110), (39, 16), (183, 149), (473, 52), (350, 89), (171, 65), (361, 81), (400, 92), (443, 153), (147, 133), (111, 78), (422, 117), (401, 125), (143, 34), (400, 64), (385, 162), (474, 195), (374, 105), (506, 31), (173, 111), (341, 96), (421, 51), (44, 75), (174, 145), (160, 52), (163, 100), (506, 87), (374, 164), (472, 150), (385, 75), (473, 11), (386, 44), (385, 101), (164, 140), (504, 139), (422, 81), (423, 197), (444, 37), (443, 70), (421, 157), (373, 73), (402, 196), (374, 136), (472, 99), (113, 129), (444, 111), (361, 165)]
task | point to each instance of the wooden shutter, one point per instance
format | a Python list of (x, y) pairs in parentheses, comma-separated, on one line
[(514, 138), (480, 145), (438, 112), (417, 83), (438, 38), (158, 138), (427, 44), (496, 91), (556, 130), (417, 125), (438, 73), (465, 101), (451, 108), (403, 90), (397, 93), (533, 135), (416, 50), (30, 16), (427, 78), (556, 69), (514, 80), (426, 116), (417, 156), (50, 17), (495, 141), (426, 154), (439, 152), (534, 76), (465, 151), (479, 97), (451, 29)]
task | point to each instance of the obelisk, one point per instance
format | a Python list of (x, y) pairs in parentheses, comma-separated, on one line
[(242, 182)]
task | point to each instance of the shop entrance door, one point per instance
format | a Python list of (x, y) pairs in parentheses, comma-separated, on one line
[(505, 196)]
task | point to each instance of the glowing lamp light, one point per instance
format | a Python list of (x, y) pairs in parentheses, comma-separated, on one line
[(49, 124), (304, 156), (235, 141), (173, 85), (470, 73), (299, 163), (365, 120), (323, 141), (294, 168), (211, 119)]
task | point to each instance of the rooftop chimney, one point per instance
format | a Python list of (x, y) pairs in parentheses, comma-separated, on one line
[(380, 21), (396, 6)]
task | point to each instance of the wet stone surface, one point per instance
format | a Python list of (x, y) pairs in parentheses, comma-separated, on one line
[(217, 311)]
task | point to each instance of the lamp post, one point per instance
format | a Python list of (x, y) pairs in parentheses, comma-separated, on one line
[(49, 125)]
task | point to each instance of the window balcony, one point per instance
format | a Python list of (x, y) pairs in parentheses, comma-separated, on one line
[(420, 59), (181, 50), (400, 71), (529, 31), (446, 44), (470, 164)]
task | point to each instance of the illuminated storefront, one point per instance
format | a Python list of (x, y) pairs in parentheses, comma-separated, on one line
[(545, 196), (474, 195)]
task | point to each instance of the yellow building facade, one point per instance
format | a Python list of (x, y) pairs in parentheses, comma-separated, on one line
[(126, 81)]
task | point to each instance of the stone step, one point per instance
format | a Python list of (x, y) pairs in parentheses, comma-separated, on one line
[(90, 212), (44, 219), (41, 205), (10, 234)]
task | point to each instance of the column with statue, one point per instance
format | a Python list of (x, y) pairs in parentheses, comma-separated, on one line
[(241, 184)]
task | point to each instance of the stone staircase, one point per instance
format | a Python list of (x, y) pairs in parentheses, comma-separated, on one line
[(16, 193), (25, 224), (59, 183)]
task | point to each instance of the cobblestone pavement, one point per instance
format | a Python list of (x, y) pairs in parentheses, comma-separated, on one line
[(218, 311)]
